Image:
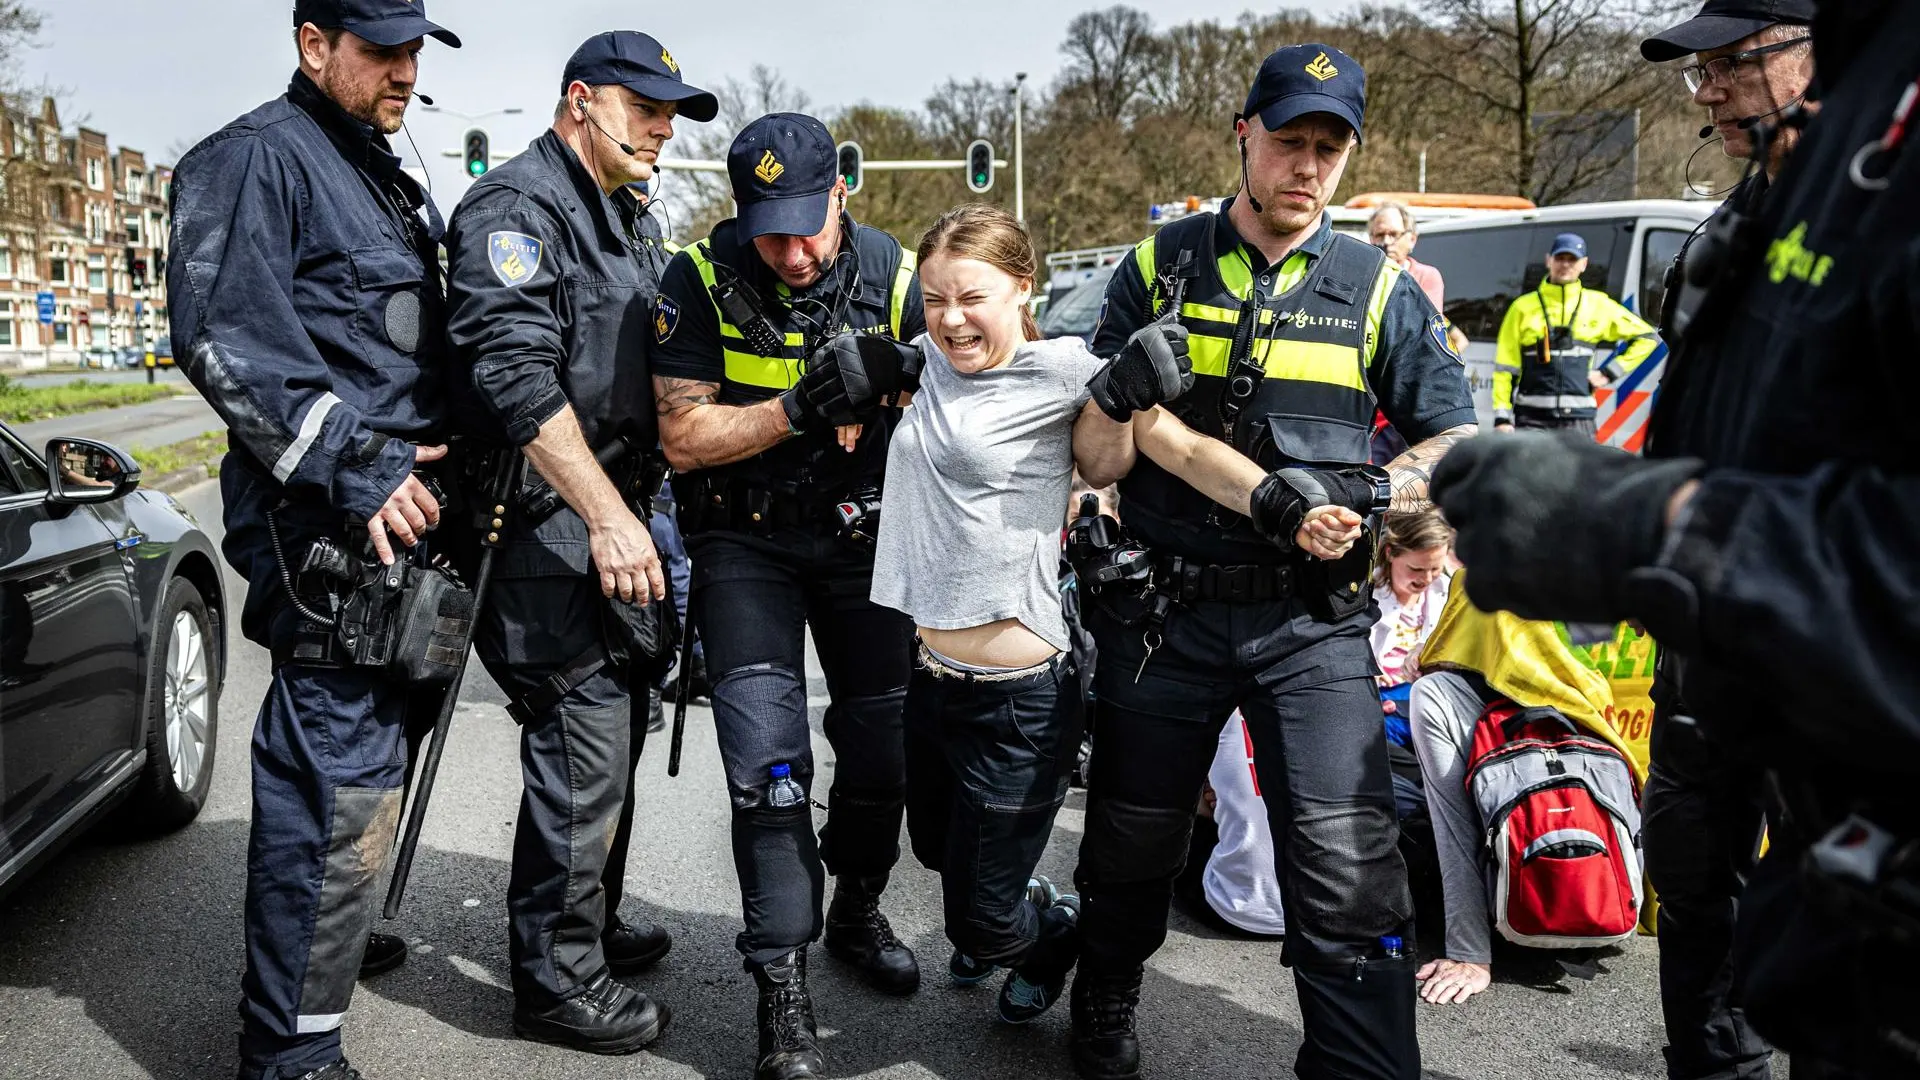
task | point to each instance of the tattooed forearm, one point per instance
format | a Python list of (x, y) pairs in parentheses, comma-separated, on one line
[(1411, 471), (675, 396), (699, 432)]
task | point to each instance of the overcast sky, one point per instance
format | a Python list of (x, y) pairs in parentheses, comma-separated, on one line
[(156, 74)]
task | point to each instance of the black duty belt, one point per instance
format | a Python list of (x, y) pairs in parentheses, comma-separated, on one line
[(1187, 581), (737, 506)]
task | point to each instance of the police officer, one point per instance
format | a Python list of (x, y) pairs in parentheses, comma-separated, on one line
[(775, 342), (552, 284), (1544, 373), (1767, 544), (308, 310), (1704, 803), (1295, 334)]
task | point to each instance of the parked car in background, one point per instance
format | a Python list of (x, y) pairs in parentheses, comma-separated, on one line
[(1490, 259), (112, 651), (1077, 313)]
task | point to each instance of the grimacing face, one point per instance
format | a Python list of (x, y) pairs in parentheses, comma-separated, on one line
[(973, 310)]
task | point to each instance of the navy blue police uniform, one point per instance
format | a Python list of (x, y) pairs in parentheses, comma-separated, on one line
[(1704, 805), (552, 283), (308, 310), (1290, 362), (1796, 542), (771, 558)]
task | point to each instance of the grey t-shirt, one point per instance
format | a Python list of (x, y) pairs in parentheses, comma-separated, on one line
[(978, 477)]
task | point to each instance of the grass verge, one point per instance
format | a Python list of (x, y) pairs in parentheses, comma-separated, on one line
[(178, 464), (20, 405)]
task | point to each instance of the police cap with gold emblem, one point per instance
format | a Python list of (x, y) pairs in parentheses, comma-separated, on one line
[(385, 23), (1302, 79), (784, 167), (636, 61)]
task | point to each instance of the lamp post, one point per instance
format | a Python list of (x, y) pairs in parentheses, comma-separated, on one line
[(1423, 161), (1019, 163)]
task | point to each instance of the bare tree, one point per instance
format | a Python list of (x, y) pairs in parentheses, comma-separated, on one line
[(1109, 54), (1568, 66), (960, 112)]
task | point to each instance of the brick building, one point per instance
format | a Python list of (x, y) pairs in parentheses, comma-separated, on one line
[(87, 224)]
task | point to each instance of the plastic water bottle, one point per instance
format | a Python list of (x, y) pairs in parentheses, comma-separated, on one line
[(783, 791), (1393, 946)]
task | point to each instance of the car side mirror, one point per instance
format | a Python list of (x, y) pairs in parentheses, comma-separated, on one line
[(88, 471)]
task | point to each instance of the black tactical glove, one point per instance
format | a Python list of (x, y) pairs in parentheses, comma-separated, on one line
[(1152, 368), (1553, 525), (846, 379), (1287, 496)]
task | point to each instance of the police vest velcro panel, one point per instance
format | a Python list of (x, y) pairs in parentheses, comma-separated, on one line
[(886, 274), (1313, 340)]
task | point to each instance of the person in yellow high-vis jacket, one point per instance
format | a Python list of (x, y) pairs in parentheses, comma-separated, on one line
[(1544, 369)]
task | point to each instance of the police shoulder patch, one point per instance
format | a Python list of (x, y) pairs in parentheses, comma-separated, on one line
[(1441, 330), (666, 317), (514, 256)]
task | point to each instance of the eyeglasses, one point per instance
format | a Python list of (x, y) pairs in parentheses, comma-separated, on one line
[(1725, 69)]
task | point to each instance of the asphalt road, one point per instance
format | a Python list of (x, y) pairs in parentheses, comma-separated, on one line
[(156, 423), (123, 959), (117, 375)]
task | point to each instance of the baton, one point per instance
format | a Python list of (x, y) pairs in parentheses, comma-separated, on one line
[(685, 687), (513, 463)]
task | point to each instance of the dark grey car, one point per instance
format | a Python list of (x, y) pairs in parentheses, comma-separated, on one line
[(112, 650)]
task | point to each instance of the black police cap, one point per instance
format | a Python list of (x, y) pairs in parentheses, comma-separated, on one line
[(783, 167), (1720, 23), (1302, 79), (383, 22), (636, 61)]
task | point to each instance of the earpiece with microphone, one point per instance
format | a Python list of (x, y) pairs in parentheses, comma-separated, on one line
[(581, 104), (424, 99), (1244, 181), (1746, 123)]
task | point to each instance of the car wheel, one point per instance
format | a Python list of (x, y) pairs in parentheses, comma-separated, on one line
[(183, 697)]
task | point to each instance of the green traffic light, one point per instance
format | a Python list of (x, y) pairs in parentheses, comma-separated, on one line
[(476, 167)]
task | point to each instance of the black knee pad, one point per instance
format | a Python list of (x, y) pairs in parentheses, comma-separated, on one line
[(760, 717), (1126, 842), (1349, 881), (869, 741)]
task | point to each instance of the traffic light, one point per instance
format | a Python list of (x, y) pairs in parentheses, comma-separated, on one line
[(476, 153), (852, 165), (980, 167)]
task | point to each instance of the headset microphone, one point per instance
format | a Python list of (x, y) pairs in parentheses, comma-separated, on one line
[(1706, 130), (581, 104), (1245, 182), (424, 99)]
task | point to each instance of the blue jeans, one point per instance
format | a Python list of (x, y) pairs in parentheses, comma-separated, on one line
[(987, 767)]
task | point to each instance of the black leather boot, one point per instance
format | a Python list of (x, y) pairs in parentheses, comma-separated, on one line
[(606, 1018), (789, 1045), (634, 948), (858, 934), (384, 953), (1104, 1045)]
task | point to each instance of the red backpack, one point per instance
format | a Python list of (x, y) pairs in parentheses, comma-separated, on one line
[(1562, 814)]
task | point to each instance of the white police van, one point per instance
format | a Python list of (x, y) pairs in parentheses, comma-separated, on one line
[(1489, 259)]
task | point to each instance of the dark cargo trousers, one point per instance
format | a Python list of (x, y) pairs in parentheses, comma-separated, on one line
[(987, 768), (753, 600), (329, 769), (576, 762), (1703, 816), (1305, 687)]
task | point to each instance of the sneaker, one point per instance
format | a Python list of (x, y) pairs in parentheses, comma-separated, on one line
[(1027, 993), (967, 971)]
